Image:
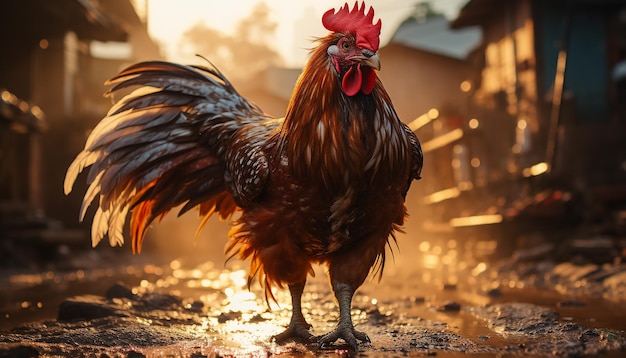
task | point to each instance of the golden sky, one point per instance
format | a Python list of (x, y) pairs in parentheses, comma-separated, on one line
[(298, 21)]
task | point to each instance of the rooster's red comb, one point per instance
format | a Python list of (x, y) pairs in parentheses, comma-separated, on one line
[(356, 22)]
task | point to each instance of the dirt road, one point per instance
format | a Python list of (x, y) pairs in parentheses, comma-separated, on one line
[(433, 300)]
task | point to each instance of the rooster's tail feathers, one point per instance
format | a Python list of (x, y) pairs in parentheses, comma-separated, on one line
[(161, 146)]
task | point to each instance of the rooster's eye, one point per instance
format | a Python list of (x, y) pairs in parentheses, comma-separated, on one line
[(345, 45)]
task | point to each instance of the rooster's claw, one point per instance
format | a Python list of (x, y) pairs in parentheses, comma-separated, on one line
[(347, 333), (296, 332)]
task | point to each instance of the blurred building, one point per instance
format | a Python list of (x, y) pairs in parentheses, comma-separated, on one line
[(56, 56), (542, 136), (424, 64)]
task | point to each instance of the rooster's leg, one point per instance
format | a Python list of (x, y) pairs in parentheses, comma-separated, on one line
[(298, 328), (345, 328)]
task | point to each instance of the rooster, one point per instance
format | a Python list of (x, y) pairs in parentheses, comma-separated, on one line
[(326, 184)]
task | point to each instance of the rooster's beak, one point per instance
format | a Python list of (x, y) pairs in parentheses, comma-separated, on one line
[(372, 60)]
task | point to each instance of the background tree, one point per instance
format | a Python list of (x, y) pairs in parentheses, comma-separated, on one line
[(246, 52), (424, 10)]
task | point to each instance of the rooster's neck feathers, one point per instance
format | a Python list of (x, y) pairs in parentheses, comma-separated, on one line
[(328, 135)]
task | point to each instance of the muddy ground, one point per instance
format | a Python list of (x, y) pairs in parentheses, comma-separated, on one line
[(437, 299)]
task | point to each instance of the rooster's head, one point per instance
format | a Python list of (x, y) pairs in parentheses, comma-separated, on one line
[(353, 50)]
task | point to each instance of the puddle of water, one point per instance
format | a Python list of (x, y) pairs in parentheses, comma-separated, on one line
[(589, 312)]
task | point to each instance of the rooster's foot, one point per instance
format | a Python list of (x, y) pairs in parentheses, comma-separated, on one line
[(296, 332), (345, 332)]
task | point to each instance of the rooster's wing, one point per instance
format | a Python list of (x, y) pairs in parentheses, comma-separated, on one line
[(178, 139)]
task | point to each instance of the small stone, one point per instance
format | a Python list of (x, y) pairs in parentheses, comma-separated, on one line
[(19, 351), (570, 303), (494, 292), (257, 318), (197, 355), (83, 308), (228, 316), (160, 301), (195, 306), (119, 291), (449, 306)]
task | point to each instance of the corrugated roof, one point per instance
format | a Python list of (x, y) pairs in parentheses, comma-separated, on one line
[(434, 35), (476, 12)]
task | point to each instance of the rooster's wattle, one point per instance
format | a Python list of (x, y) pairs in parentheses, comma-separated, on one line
[(326, 184)]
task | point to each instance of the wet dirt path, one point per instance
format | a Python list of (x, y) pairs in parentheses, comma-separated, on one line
[(434, 300)]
